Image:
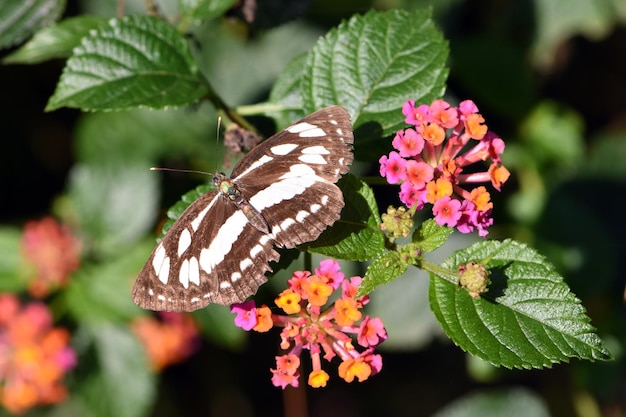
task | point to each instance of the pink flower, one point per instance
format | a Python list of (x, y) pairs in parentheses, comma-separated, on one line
[(446, 211), (392, 167), (418, 173), (326, 329), (408, 142), (246, 315), (371, 332), (441, 112), (415, 116), (433, 160), (410, 194), (329, 269)]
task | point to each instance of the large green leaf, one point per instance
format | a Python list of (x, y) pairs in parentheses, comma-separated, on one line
[(356, 236), (286, 92), (20, 19), (124, 386), (115, 204), (101, 293), (373, 63), (56, 41), (528, 318), (134, 61)]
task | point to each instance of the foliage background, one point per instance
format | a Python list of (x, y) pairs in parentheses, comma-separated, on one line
[(547, 75)]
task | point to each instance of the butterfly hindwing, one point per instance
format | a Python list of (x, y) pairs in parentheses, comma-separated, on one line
[(214, 254)]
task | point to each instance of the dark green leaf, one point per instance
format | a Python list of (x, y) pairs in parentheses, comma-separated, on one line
[(373, 63), (203, 9), (101, 293), (20, 19), (134, 61), (55, 41), (384, 269), (10, 260), (527, 319), (286, 92), (511, 403), (115, 204), (430, 235), (148, 136), (124, 386), (356, 236)]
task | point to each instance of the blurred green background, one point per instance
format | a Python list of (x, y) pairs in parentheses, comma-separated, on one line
[(548, 75)]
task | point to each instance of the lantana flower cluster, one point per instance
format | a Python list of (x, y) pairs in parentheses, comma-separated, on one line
[(325, 333), (431, 161), (167, 341), (51, 252), (34, 356)]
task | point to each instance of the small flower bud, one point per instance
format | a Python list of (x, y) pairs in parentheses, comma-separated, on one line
[(474, 278)]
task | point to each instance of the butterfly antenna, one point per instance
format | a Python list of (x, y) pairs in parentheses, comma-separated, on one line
[(217, 138), (187, 171)]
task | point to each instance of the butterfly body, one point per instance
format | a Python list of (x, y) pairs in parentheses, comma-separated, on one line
[(230, 190), (282, 193)]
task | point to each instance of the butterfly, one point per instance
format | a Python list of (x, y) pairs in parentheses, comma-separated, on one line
[(281, 194)]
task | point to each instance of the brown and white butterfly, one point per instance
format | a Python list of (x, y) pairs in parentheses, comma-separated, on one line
[(282, 193)]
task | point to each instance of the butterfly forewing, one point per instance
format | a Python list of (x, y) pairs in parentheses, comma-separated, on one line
[(213, 254)]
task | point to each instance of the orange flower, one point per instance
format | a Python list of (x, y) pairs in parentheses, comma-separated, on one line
[(318, 378), (347, 311), (438, 189), (52, 252), (289, 301), (480, 197), (35, 356), (168, 341), (264, 319), (354, 368), (317, 290)]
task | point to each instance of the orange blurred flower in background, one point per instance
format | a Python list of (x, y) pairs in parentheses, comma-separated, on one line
[(169, 340), (52, 254), (34, 356)]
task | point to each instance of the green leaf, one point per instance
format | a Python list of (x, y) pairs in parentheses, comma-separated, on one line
[(115, 204), (373, 63), (559, 20), (431, 236), (554, 136), (125, 385), (148, 136), (356, 236), (101, 293), (56, 41), (384, 269), (20, 19), (10, 260), (286, 92), (181, 205), (516, 402), (527, 319), (203, 9), (134, 61)]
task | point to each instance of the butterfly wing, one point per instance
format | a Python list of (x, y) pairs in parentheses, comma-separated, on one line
[(309, 156), (199, 261)]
